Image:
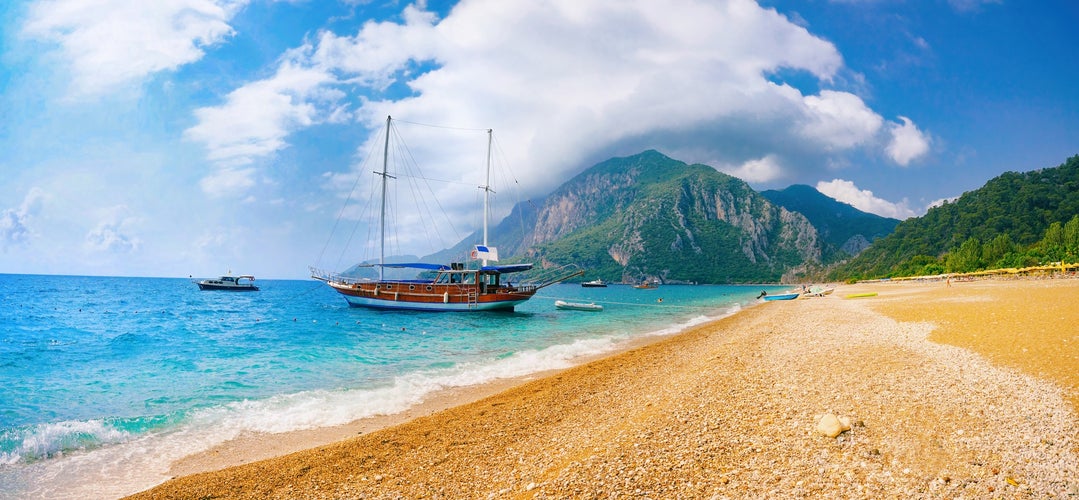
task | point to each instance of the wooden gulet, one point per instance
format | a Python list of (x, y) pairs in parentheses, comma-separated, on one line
[(454, 287)]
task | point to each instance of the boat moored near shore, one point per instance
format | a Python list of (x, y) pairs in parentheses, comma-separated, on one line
[(453, 287), (577, 306)]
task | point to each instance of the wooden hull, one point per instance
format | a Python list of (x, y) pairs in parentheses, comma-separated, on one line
[(425, 296)]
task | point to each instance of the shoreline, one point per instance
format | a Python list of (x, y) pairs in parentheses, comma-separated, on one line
[(253, 447), (724, 408)]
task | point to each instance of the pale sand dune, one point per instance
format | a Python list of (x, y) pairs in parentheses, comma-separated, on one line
[(730, 410)]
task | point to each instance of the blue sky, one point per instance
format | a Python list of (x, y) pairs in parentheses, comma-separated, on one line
[(192, 137)]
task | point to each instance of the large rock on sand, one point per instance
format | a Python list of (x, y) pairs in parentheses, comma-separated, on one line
[(832, 426)]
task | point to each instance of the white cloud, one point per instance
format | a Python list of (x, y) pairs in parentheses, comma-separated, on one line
[(941, 202), (15, 223), (839, 120), (907, 142), (563, 78), (112, 43), (864, 199), (255, 119), (971, 5), (114, 233), (228, 182), (765, 169)]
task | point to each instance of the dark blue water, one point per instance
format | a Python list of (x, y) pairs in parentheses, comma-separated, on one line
[(106, 381)]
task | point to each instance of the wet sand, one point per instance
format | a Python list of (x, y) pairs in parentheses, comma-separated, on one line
[(968, 390)]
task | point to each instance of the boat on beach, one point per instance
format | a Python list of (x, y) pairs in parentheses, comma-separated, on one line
[(577, 306), (782, 296), (454, 286), (819, 291), (229, 283), (597, 283)]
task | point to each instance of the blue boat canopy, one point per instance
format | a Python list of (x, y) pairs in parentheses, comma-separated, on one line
[(419, 265), (510, 268)]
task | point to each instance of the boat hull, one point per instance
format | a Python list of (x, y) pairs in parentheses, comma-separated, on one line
[(228, 288), (431, 297), (577, 306), (786, 296)]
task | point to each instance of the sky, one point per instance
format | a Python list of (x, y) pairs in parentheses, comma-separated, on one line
[(181, 138)]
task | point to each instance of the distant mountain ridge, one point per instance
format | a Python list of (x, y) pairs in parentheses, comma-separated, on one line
[(650, 217), (844, 230)]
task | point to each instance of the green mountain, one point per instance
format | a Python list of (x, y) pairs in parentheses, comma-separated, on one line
[(844, 230), (1010, 212), (650, 217)]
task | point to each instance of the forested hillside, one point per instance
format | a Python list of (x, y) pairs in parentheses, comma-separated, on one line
[(1015, 220)]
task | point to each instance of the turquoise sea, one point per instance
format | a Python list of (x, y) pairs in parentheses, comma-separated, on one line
[(106, 381)]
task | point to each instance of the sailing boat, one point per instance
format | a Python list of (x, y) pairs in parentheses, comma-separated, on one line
[(455, 287)]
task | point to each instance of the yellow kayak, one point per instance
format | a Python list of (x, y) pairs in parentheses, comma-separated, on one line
[(859, 295)]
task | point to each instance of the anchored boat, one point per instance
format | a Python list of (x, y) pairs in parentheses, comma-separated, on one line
[(454, 287), (577, 306), (229, 283)]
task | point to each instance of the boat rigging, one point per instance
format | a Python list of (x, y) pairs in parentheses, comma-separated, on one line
[(455, 286)]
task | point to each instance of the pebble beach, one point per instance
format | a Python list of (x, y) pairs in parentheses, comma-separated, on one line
[(925, 390)]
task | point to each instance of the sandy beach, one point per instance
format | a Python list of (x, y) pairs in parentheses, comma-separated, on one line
[(938, 391)]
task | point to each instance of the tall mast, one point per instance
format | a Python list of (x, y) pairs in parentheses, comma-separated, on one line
[(382, 214), (487, 191)]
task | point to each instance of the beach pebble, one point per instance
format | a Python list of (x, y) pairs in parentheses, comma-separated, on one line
[(832, 426)]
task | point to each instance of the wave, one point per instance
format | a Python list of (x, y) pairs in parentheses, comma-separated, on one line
[(60, 460), (63, 460), (44, 441), (695, 321)]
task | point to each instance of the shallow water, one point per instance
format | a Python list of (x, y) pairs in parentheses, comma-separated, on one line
[(109, 380)]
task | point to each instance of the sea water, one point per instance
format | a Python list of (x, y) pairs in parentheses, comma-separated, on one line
[(104, 382)]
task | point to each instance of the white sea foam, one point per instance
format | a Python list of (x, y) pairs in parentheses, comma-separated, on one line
[(133, 463), (695, 321), (50, 440), (120, 463)]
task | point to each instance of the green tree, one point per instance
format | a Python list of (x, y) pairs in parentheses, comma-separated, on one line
[(1071, 238), (993, 253), (1053, 242), (967, 258)]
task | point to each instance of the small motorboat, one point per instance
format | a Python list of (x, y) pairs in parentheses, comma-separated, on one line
[(646, 286), (783, 296), (595, 284), (230, 283), (819, 291), (577, 306)]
